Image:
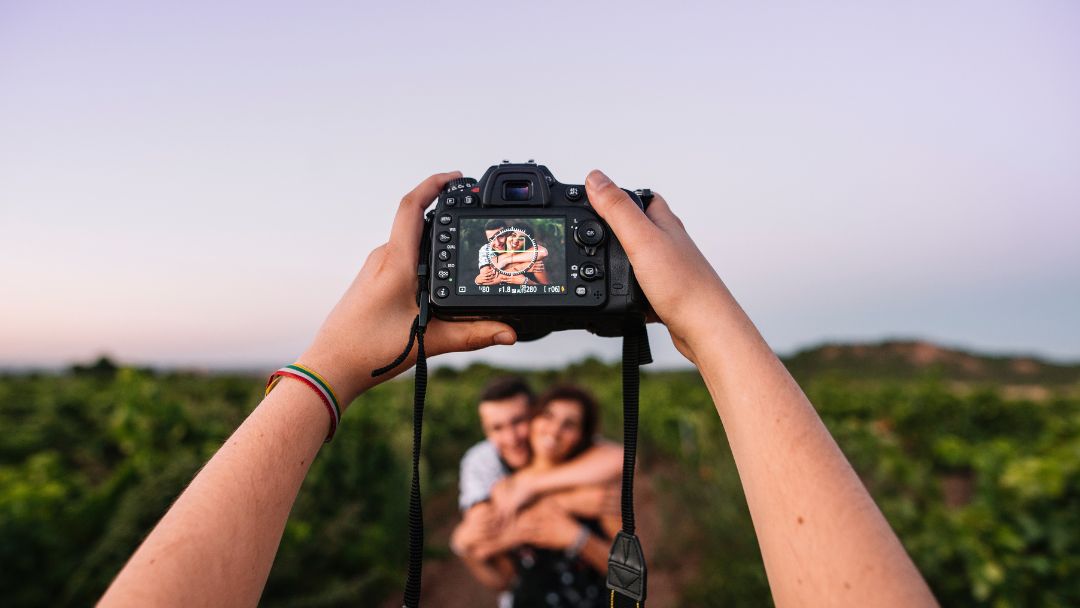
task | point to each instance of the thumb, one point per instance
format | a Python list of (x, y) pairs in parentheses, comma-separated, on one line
[(626, 219), (456, 336)]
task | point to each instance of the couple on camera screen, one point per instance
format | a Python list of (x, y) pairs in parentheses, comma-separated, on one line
[(511, 255), (539, 497)]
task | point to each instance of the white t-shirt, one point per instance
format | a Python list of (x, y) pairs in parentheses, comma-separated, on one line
[(481, 469), (485, 255)]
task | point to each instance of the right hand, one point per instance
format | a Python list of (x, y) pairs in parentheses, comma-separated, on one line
[(487, 276), (663, 255)]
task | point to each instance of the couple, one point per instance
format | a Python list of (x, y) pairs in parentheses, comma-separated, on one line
[(539, 498), (511, 249)]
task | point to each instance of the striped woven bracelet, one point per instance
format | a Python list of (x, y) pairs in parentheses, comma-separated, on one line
[(317, 383)]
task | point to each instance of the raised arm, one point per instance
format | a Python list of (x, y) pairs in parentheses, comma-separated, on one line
[(600, 464), (823, 540), (215, 545)]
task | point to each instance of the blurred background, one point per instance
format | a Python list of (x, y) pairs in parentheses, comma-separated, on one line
[(891, 191)]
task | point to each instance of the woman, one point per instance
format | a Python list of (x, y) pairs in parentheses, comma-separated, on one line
[(555, 552)]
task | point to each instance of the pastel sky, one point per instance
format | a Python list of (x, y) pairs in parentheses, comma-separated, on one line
[(195, 183)]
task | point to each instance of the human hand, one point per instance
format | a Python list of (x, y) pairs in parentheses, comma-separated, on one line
[(487, 276), (546, 526), (657, 242), (480, 522), (591, 502), (512, 493), (370, 325)]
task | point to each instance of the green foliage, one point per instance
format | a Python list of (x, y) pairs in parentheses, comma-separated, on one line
[(983, 490)]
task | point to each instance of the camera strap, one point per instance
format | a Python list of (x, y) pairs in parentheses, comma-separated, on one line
[(416, 334), (626, 562)]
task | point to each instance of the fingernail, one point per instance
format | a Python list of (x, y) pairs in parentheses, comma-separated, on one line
[(504, 337), (597, 180)]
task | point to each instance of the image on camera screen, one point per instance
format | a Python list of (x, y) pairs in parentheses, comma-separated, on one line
[(512, 256)]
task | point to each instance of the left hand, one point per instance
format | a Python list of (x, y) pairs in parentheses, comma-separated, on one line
[(370, 325)]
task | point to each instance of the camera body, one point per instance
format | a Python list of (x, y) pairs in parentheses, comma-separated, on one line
[(518, 246)]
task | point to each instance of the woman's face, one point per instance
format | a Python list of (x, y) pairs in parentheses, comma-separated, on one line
[(556, 430), (515, 241)]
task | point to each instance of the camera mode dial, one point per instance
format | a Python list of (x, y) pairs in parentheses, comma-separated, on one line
[(459, 184)]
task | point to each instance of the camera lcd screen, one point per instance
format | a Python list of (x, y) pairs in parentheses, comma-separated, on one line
[(512, 256)]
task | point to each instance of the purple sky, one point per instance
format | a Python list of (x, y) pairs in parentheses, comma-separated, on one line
[(196, 184)]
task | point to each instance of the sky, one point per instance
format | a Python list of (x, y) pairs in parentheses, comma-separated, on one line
[(194, 184)]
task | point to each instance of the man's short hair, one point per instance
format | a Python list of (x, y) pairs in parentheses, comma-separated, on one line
[(495, 225), (506, 387)]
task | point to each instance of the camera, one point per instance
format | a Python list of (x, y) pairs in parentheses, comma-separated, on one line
[(520, 247)]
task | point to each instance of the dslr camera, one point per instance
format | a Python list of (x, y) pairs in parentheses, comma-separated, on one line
[(520, 247)]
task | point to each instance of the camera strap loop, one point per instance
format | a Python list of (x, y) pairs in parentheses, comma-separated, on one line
[(627, 575)]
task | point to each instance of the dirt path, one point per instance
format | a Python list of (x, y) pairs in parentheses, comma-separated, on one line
[(448, 584)]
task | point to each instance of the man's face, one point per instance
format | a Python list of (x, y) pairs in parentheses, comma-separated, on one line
[(506, 425), (499, 243)]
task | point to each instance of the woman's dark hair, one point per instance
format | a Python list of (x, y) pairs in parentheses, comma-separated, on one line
[(590, 412), (506, 387)]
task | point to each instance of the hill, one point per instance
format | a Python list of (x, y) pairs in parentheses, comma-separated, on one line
[(903, 360)]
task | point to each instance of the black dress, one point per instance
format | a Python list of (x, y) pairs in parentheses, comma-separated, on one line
[(550, 579)]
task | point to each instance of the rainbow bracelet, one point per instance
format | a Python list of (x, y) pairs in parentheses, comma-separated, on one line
[(317, 384)]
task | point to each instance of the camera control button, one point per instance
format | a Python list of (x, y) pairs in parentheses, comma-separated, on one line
[(589, 271), (590, 233), (581, 291), (442, 273), (442, 292), (451, 201), (468, 200), (444, 237), (444, 255), (445, 219), (573, 193)]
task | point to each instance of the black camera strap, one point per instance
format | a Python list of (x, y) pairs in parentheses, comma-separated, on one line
[(416, 334), (626, 563)]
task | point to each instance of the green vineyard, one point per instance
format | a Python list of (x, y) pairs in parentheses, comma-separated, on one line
[(979, 475)]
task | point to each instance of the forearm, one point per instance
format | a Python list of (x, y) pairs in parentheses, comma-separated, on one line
[(822, 537), (216, 544), (600, 464)]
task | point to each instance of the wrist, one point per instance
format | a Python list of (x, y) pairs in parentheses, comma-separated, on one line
[(339, 373), (579, 542)]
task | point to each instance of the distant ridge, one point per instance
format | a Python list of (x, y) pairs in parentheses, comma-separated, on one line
[(907, 359)]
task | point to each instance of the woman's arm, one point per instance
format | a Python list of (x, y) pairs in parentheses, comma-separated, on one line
[(822, 537), (600, 464), (215, 545)]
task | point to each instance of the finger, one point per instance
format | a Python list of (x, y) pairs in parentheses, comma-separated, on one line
[(409, 221), (630, 224), (661, 214), (458, 336)]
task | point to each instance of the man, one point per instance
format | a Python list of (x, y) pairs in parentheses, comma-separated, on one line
[(489, 250), (506, 409)]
